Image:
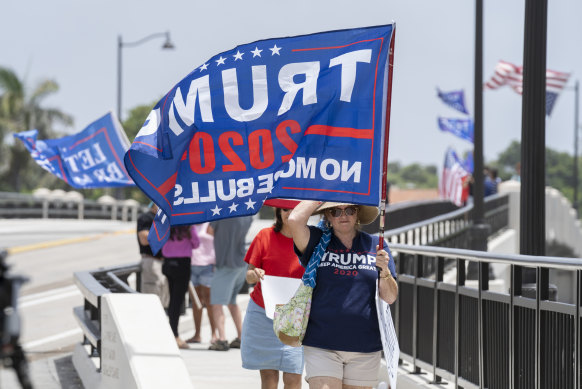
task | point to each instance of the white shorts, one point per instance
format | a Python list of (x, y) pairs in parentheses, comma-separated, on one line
[(352, 368)]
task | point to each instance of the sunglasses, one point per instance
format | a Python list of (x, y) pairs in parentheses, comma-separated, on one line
[(337, 212), (285, 210)]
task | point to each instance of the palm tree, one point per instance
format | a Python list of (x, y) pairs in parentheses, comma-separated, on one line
[(20, 110)]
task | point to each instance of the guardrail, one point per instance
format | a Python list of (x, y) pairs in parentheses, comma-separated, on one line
[(22, 205), (482, 339), (452, 229), (93, 285)]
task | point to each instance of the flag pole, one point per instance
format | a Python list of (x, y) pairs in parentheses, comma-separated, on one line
[(386, 138)]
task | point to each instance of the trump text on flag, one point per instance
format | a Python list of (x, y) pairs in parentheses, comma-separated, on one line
[(300, 117)]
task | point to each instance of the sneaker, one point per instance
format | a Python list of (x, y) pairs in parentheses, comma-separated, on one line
[(235, 343), (219, 345)]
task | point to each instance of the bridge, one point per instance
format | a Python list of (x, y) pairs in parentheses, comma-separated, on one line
[(457, 327)]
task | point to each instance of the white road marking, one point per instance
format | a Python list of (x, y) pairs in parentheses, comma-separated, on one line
[(50, 339), (48, 293), (52, 295)]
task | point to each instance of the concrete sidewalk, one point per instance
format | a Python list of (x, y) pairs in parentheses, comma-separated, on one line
[(217, 369), (207, 369)]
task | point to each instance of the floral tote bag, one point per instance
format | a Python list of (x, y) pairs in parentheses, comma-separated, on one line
[(290, 320)]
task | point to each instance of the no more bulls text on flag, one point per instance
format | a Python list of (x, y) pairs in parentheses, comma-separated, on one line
[(300, 117)]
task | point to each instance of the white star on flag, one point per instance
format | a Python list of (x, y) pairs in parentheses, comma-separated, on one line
[(238, 55), (204, 67), (220, 61), (233, 207), (256, 52), (250, 204), (216, 210), (275, 50)]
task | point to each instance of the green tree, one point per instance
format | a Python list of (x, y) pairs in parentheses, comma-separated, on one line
[(21, 110), (508, 160), (559, 168), (415, 175)]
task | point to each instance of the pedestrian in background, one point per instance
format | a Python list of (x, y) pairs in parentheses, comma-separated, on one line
[(177, 252), (202, 269), (229, 276), (271, 253), (152, 279)]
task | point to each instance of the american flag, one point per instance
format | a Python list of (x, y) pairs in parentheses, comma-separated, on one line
[(451, 183), (509, 74)]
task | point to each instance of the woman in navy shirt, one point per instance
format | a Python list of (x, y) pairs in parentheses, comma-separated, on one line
[(342, 345)]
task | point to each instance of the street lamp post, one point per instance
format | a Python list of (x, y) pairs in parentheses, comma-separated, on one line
[(120, 45), (575, 172)]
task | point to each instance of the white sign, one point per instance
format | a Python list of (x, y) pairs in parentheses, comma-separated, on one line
[(389, 339), (278, 290)]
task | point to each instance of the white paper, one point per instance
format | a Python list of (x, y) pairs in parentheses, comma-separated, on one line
[(278, 290), (389, 339)]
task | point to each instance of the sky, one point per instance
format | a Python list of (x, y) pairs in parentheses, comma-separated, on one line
[(75, 44)]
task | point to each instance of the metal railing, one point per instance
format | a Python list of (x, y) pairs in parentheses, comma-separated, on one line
[(483, 339), (452, 229), (21, 205), (93, 285)]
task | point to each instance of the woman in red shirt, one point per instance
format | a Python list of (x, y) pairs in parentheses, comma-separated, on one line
[(271, 253)]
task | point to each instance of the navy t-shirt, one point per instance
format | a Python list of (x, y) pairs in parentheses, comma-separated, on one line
[(343, 311)]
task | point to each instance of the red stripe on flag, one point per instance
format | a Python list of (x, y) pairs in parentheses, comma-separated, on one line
[(144, 177), (187, 213), (158, 234), (342, 132), (168, 185), (147, 144)]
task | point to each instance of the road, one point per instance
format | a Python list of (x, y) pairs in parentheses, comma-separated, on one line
[(48, 252)]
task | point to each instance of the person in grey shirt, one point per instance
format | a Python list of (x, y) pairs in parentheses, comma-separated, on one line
[(229, 276)]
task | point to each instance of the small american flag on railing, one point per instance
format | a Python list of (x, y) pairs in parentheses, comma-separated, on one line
[(509, 74), (452, 178)]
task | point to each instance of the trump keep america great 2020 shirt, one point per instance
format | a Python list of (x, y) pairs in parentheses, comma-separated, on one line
[(343, 310)]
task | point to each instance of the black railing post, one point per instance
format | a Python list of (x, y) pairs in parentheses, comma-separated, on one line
[(512, 294), (460, 282), (483, 284), (577, 330), (417, 274), (438, 277), (479, 230), (533, 134)]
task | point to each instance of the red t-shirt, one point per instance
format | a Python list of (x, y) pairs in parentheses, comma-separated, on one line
[(273, 252)]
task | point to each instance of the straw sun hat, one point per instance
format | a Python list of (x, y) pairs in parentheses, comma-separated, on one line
[(366, 213)]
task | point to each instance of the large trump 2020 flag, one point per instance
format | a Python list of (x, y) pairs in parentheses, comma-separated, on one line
[(91, 158), (300, 117)]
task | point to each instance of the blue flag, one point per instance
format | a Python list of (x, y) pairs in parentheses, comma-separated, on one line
[(463, 128), (454, 99), (300, 117), (468, 165), (90, 159)]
